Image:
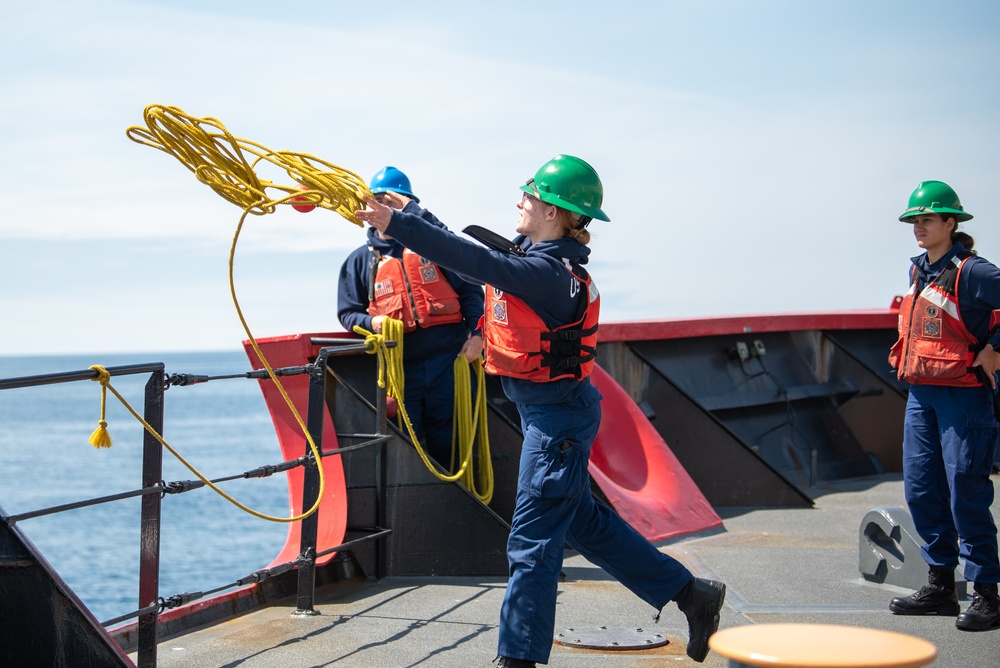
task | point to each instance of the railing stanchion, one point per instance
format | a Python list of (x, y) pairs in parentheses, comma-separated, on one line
[(310, 489), (149, 546)]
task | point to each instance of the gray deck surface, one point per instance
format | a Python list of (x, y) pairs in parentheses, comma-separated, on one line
[(779, 565)]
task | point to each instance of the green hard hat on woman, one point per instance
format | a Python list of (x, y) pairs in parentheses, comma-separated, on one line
[(935, 197), (569, 183)]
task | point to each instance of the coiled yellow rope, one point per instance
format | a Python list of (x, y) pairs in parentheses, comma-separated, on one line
[(468, 422), (216, 158)]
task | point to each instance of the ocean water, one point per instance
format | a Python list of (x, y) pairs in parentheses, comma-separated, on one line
[(221, 427)]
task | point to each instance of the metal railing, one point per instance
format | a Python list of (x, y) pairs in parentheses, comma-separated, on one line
[(154, 489)]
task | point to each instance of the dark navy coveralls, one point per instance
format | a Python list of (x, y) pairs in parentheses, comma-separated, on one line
[(950, 437), (560, 420)]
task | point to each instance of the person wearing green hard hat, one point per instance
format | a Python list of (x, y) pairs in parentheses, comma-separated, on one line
[(947, 351), (540, 337)]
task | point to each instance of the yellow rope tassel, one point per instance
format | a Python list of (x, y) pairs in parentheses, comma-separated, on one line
[(101, 438)]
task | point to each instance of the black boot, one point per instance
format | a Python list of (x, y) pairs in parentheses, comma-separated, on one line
[(507, 662), (701, 602), (984, 613), (937, 597)]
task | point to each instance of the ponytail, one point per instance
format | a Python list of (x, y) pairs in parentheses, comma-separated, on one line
[(572, 228), (962, 237)]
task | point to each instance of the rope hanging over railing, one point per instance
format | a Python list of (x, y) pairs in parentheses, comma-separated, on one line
[(104, 378)]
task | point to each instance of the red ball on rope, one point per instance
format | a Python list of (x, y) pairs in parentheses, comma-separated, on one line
[(302, 208)]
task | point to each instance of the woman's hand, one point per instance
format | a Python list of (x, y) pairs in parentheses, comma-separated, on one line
[(392, 200), (989, 360), (377, 215)]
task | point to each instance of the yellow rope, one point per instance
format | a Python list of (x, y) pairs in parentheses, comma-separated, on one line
[(216, 158), (390, 376), (469, 423), (104, 378)]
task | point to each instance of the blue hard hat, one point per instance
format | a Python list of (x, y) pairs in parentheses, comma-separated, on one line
[(390, 179)]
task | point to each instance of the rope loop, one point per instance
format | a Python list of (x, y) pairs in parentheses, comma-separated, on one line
[(217, 158)]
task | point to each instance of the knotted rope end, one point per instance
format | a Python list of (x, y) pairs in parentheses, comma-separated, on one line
[(100, 438)]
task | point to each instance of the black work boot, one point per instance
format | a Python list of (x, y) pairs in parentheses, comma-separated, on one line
[(937, 597), (984, 613), (507, 662), (701, 602)]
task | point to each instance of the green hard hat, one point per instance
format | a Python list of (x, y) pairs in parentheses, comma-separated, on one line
[(935, 197), (569, 183)]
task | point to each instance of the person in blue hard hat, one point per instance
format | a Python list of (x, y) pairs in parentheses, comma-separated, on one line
[(440, 314), (947, 351), (540, 333)]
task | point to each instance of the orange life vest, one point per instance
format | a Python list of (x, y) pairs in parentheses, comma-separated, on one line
[(518, 344), (934, 346), (413, 290)]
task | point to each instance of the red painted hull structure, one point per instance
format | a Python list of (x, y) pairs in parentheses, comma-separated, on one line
[(290, 351), (639, 475), (686, 328), (630, 461)]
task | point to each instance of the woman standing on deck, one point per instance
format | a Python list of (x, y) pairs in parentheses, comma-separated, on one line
[(948, 354), (540, 332)]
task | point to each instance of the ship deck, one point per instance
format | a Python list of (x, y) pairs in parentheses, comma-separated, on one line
[(780, 566)]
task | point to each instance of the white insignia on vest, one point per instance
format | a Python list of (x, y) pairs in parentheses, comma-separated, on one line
[(499, 307), (574, 288), (428, 274), (931, 311), (498, 293), (932, 328)]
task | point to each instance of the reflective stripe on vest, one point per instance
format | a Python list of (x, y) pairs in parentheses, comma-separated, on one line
[(934, 346)]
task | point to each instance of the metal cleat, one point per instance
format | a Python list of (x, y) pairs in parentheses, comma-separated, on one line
[(888, 549)]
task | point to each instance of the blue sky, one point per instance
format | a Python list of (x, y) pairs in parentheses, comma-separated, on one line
[(755, 154)]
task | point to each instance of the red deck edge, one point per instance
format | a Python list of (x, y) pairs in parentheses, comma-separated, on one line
[(683, 328)]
